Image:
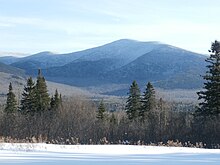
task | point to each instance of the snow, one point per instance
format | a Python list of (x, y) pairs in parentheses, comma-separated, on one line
[(23, 153)]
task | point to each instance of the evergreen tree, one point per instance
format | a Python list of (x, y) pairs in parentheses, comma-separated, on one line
[(210, 96), (11, 104), (148, 102), (101, 111), (134, 101), (55, 101), (28, 101), (52, 103), (113, 126), (61, 100), (42, 97)]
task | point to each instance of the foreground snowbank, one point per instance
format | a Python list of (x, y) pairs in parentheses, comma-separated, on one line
[(104, 149), (49, 154)]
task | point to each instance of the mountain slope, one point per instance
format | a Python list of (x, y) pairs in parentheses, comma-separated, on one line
[(119, 63), (12, 70), (167, 67), (39, 60), (43, 60), (124, 51), (97, 62), (9, 59), (123, 61), (19, 82)]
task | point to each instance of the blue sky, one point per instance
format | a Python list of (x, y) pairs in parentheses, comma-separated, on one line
[(61, 26)]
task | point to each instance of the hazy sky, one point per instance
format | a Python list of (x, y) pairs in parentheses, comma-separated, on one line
[(31, 26)]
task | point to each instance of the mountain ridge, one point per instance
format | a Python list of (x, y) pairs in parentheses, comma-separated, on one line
[(121, 62)]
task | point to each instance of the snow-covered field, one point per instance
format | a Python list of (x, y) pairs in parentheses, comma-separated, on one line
[(104, 154)]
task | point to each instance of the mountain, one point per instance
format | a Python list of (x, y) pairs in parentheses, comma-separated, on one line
[(123, 61), (97, 61), (12, 70), (39, 60), (119, 63), (124, 51), (9, 59), (166, 67), (104, 58), (44, 60)]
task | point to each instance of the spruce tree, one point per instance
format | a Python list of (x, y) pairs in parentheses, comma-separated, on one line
[(55, 101), (28, 101), (210, 96), (101, 111), (61, 100), (42, 96), (52, 103), (11, 103), (133, 103), (148, 102)]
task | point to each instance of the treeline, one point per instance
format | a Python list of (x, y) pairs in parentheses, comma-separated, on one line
[(145, 120)]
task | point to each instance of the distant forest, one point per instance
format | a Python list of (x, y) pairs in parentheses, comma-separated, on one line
[(144, 120)]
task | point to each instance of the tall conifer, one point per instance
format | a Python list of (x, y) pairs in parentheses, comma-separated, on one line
[(11, 103), (28, 101), (148, 102), (42, 96), (210, 96), (133, 102), (55, 101), (101, 111)]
